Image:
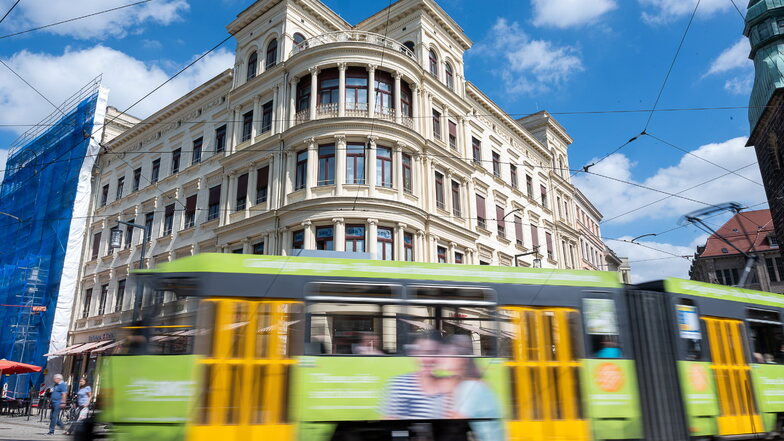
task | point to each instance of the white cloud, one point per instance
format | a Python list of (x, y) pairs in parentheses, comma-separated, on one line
[(59, 76), (614, 198), (33, 13), (740, 85), (648, 264), (735, 61), (525, 65), (665, 11), (567, 13)]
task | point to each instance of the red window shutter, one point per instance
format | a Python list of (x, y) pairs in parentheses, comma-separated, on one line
[(549, 238), (169, 210), (96, 244), (190, 204), (262, 179), (215, 195), (480, 206), (518, 229), (452, 129), (242, 186), (499, 216), (534, 236)]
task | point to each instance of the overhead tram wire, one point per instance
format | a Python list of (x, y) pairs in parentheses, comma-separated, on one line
[(738, 9), (73, 19), (32, 87), (9, 10)]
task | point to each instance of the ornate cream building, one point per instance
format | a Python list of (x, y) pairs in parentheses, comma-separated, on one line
[(330, 136)]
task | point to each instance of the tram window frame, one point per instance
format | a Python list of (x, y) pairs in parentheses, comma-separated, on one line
[(688, 348), (769, 322), (593, 340)]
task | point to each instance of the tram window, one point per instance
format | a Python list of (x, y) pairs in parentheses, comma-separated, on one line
[(353, 328), (767, 338), (450, 293), (601, 325), (477, 324), (204, 325), (689, 328), (353, 290)]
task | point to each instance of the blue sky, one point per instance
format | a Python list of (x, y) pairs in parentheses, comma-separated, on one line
[(559, 55)]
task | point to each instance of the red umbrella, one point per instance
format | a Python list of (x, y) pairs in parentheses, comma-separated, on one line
[(14, 367)]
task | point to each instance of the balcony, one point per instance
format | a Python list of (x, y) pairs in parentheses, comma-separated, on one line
[(359, 37)]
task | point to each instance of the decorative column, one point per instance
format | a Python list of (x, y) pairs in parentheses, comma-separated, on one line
[(288, 185), (310, 236), (427, 177), (417, 187), (427, 113), (340, 163), (253, 178), (420, 255), (342, 89), (292, 103), (245, 246), (231, 195), (450, 258), (433, 248), (415, 107), (201, 200), (236, 129), (397, 166), (340, 233), (255, 125), (372, 238), (275, 111), (272, 183), (400, 250), (311, 177), (179, 212), (224, 205), (313, 91), (371, 166), (471, 202), (464, 140), (371, 90), (448, 192), (397, 89)]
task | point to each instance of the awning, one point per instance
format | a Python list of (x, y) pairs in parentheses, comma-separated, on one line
[(79, 348), (111, 345), (69, 350)]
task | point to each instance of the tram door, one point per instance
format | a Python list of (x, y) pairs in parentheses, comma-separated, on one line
[(544, 368), (246, 370), (732, 373)]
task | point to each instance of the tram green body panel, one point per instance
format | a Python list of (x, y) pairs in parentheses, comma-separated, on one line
[(698, 388), (611, 398), (768, 381)]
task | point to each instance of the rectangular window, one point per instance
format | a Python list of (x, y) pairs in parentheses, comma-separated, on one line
[(385, 244), (102, 299), (119, 297), (384, 167), (298, 240), (456, 199), (220, 139), (440, 191), (534, 236), (453, 135), (548, 238), (247, 126), (168, 220), (458, 257), (301, 171), (356, 89), (156, 171), (258, 248), (129, 234), (148, 220), (768, 336), (262, 184), (96, 245), (496, 164), (175, 164), (197, 146), (436, 124), (303, 93), (190, 211), (355, 238), (518, 222), (137, 179), (543, 191), (120, 184), (476, 147), (213, 203), (104, 195), (88, 299), (325, 238), (441, 254), (326, 165), (529, 186), (408, 246), (499, 220), (242, 192), (355, 164), (480, 212), (407, 175), (266, 117), (513, 175), (109, 249)]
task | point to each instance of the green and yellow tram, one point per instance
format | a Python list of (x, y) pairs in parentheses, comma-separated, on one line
[(299, 348)]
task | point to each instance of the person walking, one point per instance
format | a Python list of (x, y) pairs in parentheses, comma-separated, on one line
[(83, 397), (58, 399)]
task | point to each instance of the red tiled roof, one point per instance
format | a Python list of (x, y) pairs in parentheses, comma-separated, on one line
[(758, 226)]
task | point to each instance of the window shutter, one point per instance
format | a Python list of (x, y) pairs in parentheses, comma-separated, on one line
[(499, 216), (215, 195), (242, 186), (190, 204), (452, 129), (534, 236), (549, 238), (480, 206), (169, 210), (96, 244), (518, 229), (262, 180)]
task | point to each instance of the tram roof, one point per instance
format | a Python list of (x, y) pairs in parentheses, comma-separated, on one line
[(224, 263), (723, 292)]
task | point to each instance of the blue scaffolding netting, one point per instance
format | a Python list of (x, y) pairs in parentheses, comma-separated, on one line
[(47, 171)]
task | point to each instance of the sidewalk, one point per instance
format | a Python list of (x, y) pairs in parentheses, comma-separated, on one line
[(19, 429)]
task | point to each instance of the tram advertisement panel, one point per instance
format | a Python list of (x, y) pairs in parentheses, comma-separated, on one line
[(402, 388)]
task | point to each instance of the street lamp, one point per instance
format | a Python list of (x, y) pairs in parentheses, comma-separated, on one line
[(537, 260), (115, 241)]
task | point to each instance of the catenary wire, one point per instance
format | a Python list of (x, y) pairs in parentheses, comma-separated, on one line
[(9, 10)]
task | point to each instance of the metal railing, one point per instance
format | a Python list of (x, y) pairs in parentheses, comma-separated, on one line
[(353, 37)]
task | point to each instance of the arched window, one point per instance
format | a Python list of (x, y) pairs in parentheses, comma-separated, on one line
[(298, 38), (433, 63), (253, 60), (272, 54), (449, 76), (409, 45)]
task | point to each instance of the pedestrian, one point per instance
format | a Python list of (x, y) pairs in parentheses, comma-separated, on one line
[(59, 396), (83, 397)]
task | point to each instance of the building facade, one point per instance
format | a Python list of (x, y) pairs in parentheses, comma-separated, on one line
[(766, 120), (327, 136), (752, 232)]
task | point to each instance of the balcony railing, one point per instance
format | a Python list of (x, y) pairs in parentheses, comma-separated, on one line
[(329, 110), (302, 116), (353, 37), (359, 110)]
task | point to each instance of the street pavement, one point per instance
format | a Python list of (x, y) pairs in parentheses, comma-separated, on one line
[(19, 429)]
